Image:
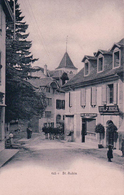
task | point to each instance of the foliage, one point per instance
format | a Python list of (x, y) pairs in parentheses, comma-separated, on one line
[(99, 128), (17, 51), (22, 100)]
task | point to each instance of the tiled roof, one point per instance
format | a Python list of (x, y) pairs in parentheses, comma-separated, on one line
[(89, 58), (103, 52), (55, 73), (66, 62), (40, 82), (119, 44), (79, 78)]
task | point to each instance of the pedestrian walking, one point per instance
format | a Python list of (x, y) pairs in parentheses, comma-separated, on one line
[(122, 147), (109, 153)]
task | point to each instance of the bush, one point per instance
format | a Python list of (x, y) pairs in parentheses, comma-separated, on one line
[(99, 128)]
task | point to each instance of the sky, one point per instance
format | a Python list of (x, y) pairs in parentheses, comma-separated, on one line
[(80, 26)]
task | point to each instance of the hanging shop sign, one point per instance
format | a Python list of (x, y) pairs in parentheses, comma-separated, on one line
[(109, 109)]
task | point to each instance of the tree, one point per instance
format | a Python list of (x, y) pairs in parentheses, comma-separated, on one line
[(22, 100), (18, 53)]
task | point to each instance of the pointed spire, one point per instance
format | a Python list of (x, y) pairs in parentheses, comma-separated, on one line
[(66, 62)]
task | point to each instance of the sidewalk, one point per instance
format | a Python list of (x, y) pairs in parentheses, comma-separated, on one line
[(6, 155)]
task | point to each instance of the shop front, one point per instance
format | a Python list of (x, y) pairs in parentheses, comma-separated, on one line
[(88, 126)]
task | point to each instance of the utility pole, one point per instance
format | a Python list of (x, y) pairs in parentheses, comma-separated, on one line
[(14, 20)]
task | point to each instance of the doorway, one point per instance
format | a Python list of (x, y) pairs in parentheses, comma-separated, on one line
[(83, 129)]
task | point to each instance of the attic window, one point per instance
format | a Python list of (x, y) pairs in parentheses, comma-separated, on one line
[(100, 64), (87, 68), (116, 58)]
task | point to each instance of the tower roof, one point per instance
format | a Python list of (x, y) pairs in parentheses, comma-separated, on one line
[(66, 62)]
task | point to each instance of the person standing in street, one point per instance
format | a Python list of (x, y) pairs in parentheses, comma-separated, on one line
[(29, 131), (109, 153)]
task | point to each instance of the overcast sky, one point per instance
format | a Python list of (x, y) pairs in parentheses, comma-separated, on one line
[(89, 24)]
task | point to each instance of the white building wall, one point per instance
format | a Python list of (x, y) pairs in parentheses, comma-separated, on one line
[(77, 109), (2, 85)]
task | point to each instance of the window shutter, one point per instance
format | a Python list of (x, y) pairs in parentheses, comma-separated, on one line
[(83, 97), (104, 94), (70, 99), (93, 96), (115, 93)]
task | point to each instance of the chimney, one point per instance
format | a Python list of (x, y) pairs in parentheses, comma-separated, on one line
[(45, 69)]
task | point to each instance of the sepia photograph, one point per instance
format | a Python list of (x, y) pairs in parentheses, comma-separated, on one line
[(61, 97)]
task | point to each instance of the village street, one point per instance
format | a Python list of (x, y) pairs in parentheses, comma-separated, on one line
[(50, 166)]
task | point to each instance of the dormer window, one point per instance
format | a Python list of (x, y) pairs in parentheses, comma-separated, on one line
[(100, 63), (116, 58), (87, 69)]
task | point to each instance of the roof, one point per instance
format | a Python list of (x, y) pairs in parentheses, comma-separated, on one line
[(121, 42), (7, 9), (43, 82), (66, 62), (104, 52), (118, 44), (80, 79), (89, 58), (56, 73)]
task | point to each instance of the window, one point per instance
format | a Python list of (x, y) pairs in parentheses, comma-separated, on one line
[(86, 69), (0, 18), (60, 104), (83, 97), (47, 114), (49, 101), (48, 89), (93, 96), (70, 99), (100, 64), (110, 93), (58, 118), (116, 59)]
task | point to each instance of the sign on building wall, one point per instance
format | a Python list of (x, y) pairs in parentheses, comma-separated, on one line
[(109, 109), (88, 115)]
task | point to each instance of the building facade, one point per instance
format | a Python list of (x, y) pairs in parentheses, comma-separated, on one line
[(95, 94), (50, 82), (5, 11)]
